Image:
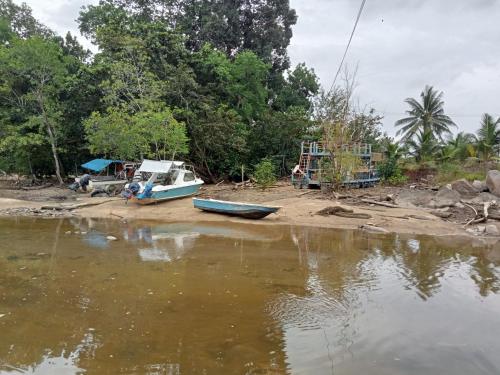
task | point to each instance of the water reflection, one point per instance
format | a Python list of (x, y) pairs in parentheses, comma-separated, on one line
[(212, 298), (63, 364)]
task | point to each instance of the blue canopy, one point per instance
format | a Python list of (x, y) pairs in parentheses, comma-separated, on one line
[(98, 165)]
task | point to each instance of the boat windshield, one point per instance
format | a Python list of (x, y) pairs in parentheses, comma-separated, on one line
[(168, 178)]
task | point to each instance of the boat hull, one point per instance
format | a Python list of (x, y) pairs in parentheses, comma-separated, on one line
[(249, 211), (169, 194)]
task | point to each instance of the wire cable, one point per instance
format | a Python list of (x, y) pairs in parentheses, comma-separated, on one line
[(348, 43)]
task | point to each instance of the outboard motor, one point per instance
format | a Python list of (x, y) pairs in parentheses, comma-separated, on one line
[(132, 190), (148, 191), (84, 181)]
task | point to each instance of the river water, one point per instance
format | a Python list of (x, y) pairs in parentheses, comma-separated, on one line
[(209, 298)]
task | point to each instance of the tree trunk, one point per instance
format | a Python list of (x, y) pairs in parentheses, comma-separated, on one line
[(52, 139), (54, 153)]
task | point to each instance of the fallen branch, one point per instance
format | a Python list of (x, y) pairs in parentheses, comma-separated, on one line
[(36, 187), (343, 212), (472, 208), (484, 218), (385, 204), (305, 193), (77, 206), (241, 183)]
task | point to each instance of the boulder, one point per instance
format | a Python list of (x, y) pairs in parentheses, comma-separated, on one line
[(480, 186), (414, 198), (492, 229), (493, 182), (482, 198), (446, 197), (463, 187)]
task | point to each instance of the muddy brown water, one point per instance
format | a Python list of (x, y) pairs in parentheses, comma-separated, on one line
[(208, 298)]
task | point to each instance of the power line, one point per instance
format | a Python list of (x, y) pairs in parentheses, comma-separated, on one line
[(349, 42), (449, 114)]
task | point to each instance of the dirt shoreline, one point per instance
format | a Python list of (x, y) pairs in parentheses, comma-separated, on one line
[(299, 207)]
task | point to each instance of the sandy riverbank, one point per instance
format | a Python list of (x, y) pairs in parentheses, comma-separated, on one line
[(299, 207)]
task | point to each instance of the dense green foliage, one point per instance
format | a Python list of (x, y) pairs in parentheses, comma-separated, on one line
[(429, 143), (206, 81), (209, 81), (264, 174)]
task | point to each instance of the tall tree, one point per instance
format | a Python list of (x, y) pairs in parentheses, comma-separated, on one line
[(232, 26), (488, 136), (459, 147), (423, 146), (34, 72), (425, 118), (21, 20)]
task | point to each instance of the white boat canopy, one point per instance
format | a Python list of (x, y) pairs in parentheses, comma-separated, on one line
[(158, 166)]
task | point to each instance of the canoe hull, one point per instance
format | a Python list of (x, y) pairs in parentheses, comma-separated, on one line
[(248, 211), (166, 195)]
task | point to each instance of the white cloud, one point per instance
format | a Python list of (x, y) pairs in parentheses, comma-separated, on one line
[(402, 45)]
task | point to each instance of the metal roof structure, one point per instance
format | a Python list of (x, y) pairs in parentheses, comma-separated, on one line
[(97, 165), (158, 166)]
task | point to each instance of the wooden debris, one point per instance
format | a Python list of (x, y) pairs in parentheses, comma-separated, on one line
[(441, 214), (418, 217), (484, 218), (76, 206), (385, 204), (343, 212), (40, 187)]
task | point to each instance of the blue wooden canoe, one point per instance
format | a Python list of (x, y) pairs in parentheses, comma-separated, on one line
[(247, 210)]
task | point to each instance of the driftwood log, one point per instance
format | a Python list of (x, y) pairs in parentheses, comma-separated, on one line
[(385, 204), (343, 212), (76, 206), (36, 187), (478, 218)]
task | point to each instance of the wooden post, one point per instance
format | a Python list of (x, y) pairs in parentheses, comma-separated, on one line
[(242, 175)]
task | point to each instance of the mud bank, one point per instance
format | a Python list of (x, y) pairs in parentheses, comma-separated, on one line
[(299, 207)]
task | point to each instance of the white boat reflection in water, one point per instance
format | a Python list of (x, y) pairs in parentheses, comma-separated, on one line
[(167, 247)]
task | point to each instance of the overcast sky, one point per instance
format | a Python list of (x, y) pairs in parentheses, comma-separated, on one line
[(399, 47)]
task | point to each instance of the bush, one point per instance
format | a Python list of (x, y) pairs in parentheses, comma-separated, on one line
[(264, 174), (398, 179), (390, 172), (448, 172), (388, 168)]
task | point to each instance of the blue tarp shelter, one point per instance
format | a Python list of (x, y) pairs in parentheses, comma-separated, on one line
[(98, 165)]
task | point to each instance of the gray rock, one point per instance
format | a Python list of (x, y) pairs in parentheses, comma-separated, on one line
[(492, 229), (446, 197), (441, 214), (414, 198), (493, 182), (480, 228), (463, 187), (480, 185), (481, 198)]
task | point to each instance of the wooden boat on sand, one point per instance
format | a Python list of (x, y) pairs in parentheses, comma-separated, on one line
[(246, 210)]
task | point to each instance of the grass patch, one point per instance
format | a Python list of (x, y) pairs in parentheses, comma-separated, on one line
[(448, 172)]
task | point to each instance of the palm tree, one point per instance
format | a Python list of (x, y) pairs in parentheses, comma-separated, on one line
[(426, 117), (393, 150), (488, 136), (459, 147), (423, 146)]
